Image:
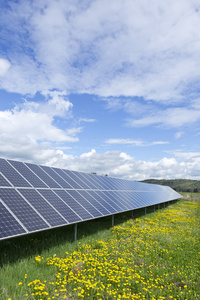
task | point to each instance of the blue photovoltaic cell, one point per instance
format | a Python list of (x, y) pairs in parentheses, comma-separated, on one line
[(13, 176), (8, 224), (81, 200), (44, 208), (116, 202), (40, 173), (95, 180), (66, 177), (75, 179), (83, 178), (80, 210), (122, 198), (102, 181), (141, 198), (107, 203), (29, 218), (136, 202), (95, 202), (3, 181), (117, 184), (56, 177), (60, 206), (28, 174)]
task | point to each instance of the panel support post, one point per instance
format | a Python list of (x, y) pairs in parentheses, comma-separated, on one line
[(154, 208), (164, 204), (112, 220), (132, 215), (159, 206), (145, 210), (75, 232)]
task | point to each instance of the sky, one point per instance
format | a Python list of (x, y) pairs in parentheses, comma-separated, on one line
[(110, 87)]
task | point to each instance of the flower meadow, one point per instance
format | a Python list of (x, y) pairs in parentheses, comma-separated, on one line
[(153, 257)]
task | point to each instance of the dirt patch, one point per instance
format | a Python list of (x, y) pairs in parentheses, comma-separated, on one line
[(192, 197)]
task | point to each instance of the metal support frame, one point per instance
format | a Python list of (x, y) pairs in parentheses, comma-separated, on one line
[(112, 220), (132, 215), (75, 232), (154, 208), (145, 210)]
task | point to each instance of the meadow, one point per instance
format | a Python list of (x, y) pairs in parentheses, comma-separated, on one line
[(154, 256)]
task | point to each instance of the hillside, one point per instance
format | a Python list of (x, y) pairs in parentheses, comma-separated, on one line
[(180, 185)]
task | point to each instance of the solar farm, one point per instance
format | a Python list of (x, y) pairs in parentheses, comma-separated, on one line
[(134, 240), (34, 198)]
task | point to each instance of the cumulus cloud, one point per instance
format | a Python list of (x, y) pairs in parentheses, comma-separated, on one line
[(172, 117), (179, 134), (118, 48), (4, 66), (87, 120), (134, 142), (30, 128)]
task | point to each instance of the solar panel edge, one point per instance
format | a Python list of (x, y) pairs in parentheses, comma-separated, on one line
[(8, 160), (13, 163), (30, 166), (19, 176)]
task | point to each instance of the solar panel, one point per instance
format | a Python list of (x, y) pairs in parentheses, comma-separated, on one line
[(3, 181), (27, 173), (46, 210), (61, 206), (22, 210), (9, 226), (50, 182), (12, 175), (67, 178), (35, 198), (63, 183)]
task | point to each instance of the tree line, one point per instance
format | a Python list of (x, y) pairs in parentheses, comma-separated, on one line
[(179, 185)]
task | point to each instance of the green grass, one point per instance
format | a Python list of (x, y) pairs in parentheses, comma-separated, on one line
[(154, 256)]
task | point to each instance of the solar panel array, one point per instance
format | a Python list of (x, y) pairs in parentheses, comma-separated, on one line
[(34, 197)]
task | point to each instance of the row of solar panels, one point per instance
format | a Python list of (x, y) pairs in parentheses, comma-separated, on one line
[(18, 174), (34, 198)]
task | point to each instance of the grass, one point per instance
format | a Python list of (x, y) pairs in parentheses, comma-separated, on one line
[(155, 256)]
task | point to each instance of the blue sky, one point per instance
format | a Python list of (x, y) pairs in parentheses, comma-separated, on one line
[(97, 86)]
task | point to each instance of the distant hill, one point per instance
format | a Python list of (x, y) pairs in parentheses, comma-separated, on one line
[(179, 185)]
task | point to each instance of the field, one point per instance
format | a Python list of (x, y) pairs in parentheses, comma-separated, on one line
[(154, 256)]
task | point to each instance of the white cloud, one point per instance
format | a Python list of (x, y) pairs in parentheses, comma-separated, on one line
[(118, 48), (122, 165), (4, 66), (125, 142), (179, 134), (135, 142), (57, 104), (88, 154), (171, 117), (87, 120), (29, 129)]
